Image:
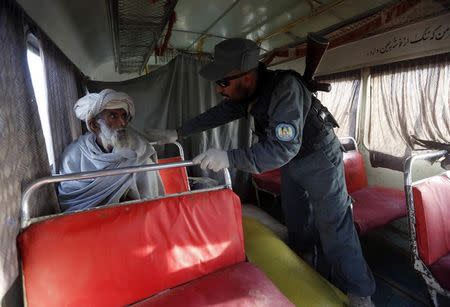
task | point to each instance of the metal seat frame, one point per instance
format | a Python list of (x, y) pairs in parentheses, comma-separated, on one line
[(432, 284)]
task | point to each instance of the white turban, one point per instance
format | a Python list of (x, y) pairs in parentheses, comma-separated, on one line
[(91, 105)]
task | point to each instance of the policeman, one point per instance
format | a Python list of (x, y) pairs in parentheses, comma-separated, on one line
[(294, 134)]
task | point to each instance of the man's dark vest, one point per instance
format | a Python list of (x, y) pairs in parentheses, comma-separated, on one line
[(318, 121)]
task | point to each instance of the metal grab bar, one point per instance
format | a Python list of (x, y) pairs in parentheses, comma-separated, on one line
[(408, 186), (428, 156), (352, 139), (180, 148), (34, 185), (153, 143)]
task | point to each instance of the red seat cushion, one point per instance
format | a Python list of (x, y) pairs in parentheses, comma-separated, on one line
[(377, 206), (355, 172), (113, 256), (175, 180), (374, 206), (355, 175), (441, 271), (432, 206), (269, 181), (240, 285)]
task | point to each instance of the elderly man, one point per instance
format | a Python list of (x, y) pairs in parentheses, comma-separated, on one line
[(107, 145)]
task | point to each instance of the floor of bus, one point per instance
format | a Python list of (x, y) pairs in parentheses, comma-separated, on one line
[(386, 252)]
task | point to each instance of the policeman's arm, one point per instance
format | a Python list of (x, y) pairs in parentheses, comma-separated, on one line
[(290, 103), (223, 113)]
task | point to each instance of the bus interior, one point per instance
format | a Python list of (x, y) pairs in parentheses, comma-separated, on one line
[(218, 238)]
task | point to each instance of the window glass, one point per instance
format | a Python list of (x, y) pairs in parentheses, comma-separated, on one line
[(407, 98), (343, 100), (36, 67)]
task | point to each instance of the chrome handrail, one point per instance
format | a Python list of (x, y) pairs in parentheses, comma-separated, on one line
[(351, 139), (180, 148), (427, 156), (34, 185), (418, 264), (176, 143)]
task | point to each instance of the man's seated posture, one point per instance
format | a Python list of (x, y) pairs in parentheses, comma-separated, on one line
[(107, 145)]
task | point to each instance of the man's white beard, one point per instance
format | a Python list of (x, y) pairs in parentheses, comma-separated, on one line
[(113, 138)]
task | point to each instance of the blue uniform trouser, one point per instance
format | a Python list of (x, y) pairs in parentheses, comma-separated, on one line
[(316, 205)]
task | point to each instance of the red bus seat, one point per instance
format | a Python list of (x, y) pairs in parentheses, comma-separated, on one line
[(373, 206), (268, 181), (355, 171), (377, 206), (175, 180), (432, 208), (119, 255), (240, 285)]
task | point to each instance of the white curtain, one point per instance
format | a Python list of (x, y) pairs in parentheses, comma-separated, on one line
[(343, 100), (22, 146), (175, 93), (63, 87), (407, 98)]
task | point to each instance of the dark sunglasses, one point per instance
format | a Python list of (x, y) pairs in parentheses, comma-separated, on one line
[(226, 81)]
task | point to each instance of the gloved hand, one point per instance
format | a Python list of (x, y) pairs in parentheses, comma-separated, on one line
[(214, 159), (161, 136)]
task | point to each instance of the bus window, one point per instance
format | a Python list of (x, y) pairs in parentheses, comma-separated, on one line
[(40, 92), (408, 98), (343, 100)]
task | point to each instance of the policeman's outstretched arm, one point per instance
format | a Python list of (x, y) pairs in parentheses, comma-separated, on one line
[(221, 114), (214, 159)]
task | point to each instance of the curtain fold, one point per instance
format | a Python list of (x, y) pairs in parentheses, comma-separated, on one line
[(407, 98), (174, 93), (63, 90), (343, 100), (22, 145)]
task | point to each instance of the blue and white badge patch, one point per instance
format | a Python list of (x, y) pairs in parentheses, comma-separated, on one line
[(285, 132)]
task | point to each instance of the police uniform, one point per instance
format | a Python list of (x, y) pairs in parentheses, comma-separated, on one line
[(312, 170)]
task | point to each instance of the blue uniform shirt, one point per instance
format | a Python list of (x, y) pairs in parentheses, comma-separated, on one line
[(279, 112)]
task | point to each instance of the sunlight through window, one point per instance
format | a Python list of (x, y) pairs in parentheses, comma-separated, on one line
[(40, 92)]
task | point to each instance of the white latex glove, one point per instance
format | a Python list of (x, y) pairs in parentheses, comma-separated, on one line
[(161, 136), (214, 159)]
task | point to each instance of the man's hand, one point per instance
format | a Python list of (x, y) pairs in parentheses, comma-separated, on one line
[(214, 159), (161, 136)]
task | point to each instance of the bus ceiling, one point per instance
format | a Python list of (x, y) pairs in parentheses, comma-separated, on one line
[(131, 37)]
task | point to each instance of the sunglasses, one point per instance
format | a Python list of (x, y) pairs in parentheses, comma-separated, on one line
[(226, 81)]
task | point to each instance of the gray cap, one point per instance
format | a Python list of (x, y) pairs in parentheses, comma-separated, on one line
[(231, 54)]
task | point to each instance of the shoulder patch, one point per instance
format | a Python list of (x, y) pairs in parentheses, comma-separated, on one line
[(285, 132)]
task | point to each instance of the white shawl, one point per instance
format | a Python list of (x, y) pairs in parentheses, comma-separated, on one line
[(84, 155)]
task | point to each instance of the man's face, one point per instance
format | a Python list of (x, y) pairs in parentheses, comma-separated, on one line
[(115, 118), (236, 89), (112, 131)]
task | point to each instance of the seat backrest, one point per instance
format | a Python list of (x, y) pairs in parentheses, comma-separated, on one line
[(269, 181), (175, 180), (113, 256), (355, 171), (432, 206)]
